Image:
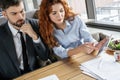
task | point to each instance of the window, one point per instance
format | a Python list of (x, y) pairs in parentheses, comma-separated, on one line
[(31, 4), (28, 5), (107, 10), (0, 12), (79, 7)]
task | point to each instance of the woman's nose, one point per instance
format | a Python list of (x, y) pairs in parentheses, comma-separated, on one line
[(59, 15)]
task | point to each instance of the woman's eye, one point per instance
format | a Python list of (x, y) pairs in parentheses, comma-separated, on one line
[(54, 13), (61, 10)]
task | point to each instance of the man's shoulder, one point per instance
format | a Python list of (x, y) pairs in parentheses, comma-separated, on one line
[(3, 25), (34, 24), (2, 29)]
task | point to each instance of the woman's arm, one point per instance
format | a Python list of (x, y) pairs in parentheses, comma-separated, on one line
[(64, 53)]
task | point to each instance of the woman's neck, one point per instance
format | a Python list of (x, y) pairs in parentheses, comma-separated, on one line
[(61, 26)]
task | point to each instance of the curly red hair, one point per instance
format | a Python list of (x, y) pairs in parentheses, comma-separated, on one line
[(46, 25)]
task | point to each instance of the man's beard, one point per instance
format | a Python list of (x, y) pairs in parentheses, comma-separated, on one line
[(18, 23)]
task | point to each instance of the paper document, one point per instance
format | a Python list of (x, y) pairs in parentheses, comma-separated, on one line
[(102, 68), (51, 77)]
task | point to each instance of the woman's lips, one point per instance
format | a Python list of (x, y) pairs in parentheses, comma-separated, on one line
[(59, 19)]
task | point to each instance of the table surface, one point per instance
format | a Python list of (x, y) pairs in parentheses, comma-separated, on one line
[(66, 69)]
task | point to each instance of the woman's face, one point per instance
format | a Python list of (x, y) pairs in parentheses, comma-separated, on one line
[(57, 15)]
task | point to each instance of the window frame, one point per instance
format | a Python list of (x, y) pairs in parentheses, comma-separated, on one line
[(90, 6), (91, 14)]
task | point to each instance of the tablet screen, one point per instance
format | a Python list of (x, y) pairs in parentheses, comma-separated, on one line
[(106, 44)]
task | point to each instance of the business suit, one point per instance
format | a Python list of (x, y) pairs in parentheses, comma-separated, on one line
[(9, 64)]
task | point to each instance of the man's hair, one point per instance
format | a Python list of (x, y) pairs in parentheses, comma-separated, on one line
[(4, 4)]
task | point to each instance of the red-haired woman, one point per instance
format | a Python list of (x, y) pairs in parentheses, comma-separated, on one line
[(63, 30)]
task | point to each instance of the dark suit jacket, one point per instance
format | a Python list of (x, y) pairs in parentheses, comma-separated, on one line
[(9, 64)]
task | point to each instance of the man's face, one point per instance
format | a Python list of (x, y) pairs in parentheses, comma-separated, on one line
[(15, 15)]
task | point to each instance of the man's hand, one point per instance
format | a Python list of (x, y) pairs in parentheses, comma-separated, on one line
[(27, 29)]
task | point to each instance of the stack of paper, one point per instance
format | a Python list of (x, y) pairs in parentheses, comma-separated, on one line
[(102, 68), (51, 77)]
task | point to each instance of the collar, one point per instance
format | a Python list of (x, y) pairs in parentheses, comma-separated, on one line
[(67, 25), (12, 29)]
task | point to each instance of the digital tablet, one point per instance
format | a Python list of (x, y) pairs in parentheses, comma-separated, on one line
[(106, 44)]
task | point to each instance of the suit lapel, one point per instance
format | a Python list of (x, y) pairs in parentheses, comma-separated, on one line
[(9, 45)]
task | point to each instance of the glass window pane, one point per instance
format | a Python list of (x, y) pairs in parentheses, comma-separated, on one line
[(108, 10), (0, 12), (28, 5), (79, 7)]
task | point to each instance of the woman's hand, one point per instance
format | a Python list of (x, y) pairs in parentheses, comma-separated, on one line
[(101, 43), (88, 47)]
